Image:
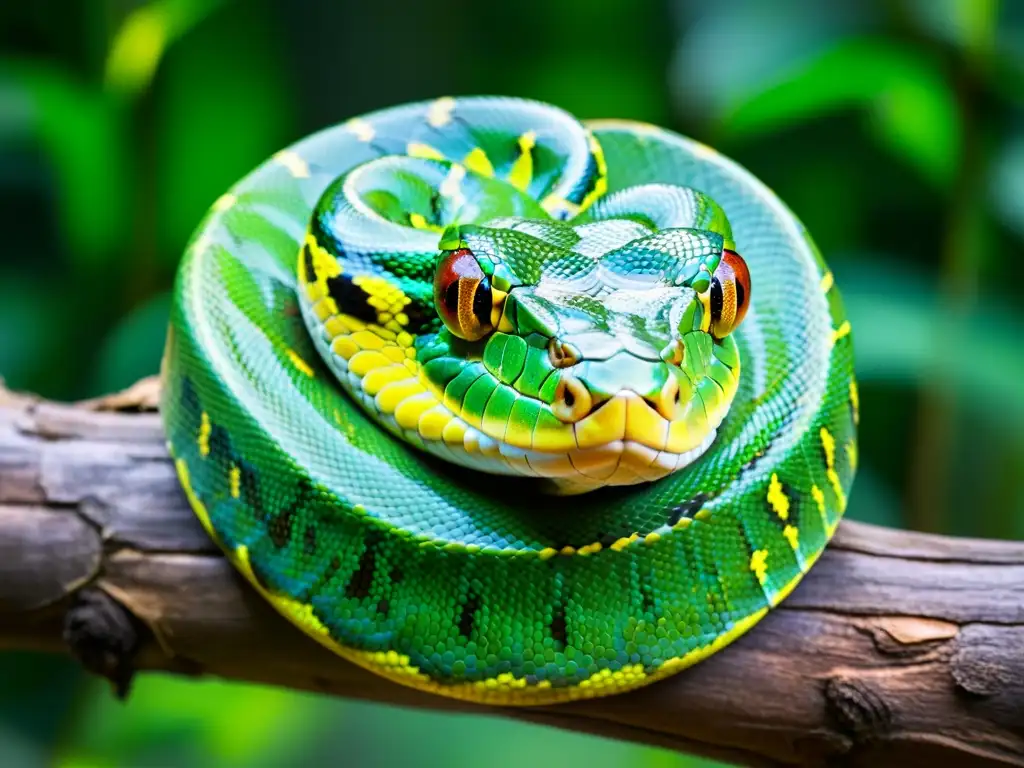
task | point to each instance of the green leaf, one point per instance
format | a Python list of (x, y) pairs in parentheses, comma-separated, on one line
[(732, 51), (173, 721), (144, 35), (82, 134), (36, 692), (627, 88), (902, 334), (910, 106), (18, 749), (28, 324), (966, 23), (365, 732), (223, 109), (1006, 184)]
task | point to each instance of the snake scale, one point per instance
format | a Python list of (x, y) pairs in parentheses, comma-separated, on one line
[(510, 407)]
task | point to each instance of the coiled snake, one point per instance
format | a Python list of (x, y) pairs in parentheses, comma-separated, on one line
[(488, 400)]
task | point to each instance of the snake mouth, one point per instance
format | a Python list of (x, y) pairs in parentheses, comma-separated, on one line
[(622, 440), (628, 417), (597, 440), (618, 462), (577, 469)]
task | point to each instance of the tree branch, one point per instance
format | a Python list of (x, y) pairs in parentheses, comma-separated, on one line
[(898, 648)]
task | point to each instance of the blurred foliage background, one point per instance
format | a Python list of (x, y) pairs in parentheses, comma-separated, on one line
[(894, 129)]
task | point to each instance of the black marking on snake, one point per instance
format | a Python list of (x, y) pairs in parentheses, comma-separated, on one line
[(420, 321), (750, 547), (467, 617), (309, 542), (350, 298), (646, 597), (383, 606), (754, 461), (396, 575), (249, 487), (333, 566), (190, 400), (587, 181), (687, 509), (308, 265), (559, 629), (360, 583), (713, 575), (220, 445), (795, 498), (517, 152), (280, 525)]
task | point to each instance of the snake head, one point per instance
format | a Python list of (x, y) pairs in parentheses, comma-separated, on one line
[(596, 354), (594, 351)]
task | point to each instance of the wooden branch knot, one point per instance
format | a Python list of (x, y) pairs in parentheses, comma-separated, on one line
[(989, 660), (104, 637), (862, 711)]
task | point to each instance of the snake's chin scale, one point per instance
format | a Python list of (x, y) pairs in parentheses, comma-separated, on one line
[(617, 463), (624, 462)]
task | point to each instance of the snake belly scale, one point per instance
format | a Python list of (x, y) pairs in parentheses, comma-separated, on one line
[(466, 390)]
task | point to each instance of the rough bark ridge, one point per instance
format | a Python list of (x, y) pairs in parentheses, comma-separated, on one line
[(898, 648)]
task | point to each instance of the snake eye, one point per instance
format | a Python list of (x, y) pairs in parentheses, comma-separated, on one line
[(730, 294), (463, 296)]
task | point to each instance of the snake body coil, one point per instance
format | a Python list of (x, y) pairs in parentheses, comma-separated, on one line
[(398, 345)]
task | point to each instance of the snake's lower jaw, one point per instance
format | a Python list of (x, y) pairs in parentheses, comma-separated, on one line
[(625, 441), (622, 462), (622, 441)]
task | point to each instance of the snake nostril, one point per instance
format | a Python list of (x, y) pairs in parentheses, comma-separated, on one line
[(562, 354), (666, 401), (572, 399), (674, 352)]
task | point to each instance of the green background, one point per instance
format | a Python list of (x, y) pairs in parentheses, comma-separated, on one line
[(895, 130)]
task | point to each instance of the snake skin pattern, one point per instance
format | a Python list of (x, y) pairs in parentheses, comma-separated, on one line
[(446, 385)]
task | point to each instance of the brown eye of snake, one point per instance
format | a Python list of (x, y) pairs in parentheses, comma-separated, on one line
[(730, 294), (462, 295)]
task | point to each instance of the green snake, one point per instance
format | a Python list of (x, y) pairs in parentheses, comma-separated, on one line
[(486, 400)]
